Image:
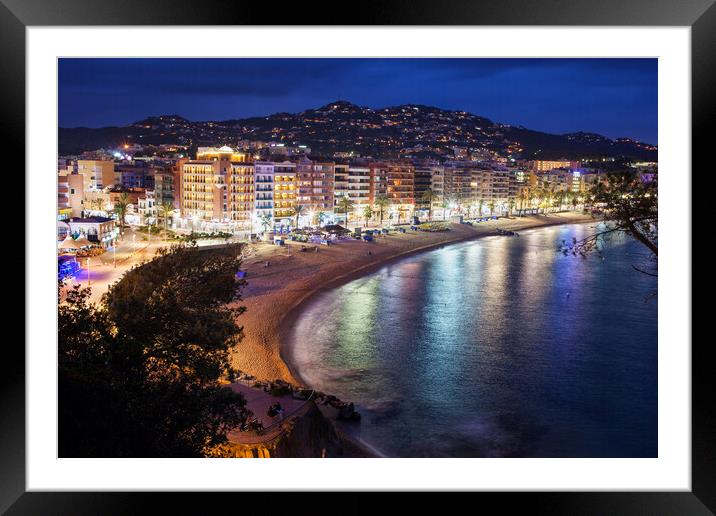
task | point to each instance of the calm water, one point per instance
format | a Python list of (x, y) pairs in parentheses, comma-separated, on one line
[(497, 347)]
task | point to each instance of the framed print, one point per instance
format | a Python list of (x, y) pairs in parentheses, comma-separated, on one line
[(422, 247)]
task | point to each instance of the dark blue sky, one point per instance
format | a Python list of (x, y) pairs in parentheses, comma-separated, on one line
[(613, 97)]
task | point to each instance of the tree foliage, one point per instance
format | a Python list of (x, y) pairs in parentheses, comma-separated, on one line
[(382, 202), (629, 205), (139, 373), (346, 204)]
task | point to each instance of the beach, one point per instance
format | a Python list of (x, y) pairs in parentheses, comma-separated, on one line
[(275, 293)]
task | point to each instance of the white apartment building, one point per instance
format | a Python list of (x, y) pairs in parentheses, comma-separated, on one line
[(274, 194), (352, 182), (147, 208)]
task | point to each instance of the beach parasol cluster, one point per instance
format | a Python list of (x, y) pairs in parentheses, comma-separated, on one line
[(71, 244)]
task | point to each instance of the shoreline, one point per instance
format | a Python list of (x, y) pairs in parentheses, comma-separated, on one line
[(367, 269), (274, 301)]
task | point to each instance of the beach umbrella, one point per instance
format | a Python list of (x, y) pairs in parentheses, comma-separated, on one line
[(68, 243), (83, 242)]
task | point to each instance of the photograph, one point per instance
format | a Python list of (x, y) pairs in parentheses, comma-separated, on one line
[(357, 257)]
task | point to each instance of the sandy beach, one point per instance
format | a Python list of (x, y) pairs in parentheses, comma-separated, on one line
[(274, 294)]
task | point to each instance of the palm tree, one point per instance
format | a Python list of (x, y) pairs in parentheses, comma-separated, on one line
[(346, 203), (382, 202), (298, 211), (491, 207), (525, 198), (120, 208), (560, 199), (537, 196), (511, 206), (480, 204), (367, 213), (88, 203), (99, 203), (428, 198), (166, 209), (550, 196), (445, 205)]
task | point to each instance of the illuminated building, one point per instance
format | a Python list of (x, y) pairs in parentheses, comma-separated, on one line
[(401, 189), (221, 153), (217, 191), (315, 185), (164, 186), (285, 189), (558, 180), (401, 184), (354, 182), (494, 185), (428, 176), (147, 208), (359, 185), (459, 184), (240, 197), (546, 165), (203, 196), (98, 230), (437, 185), (274, 194), (70, 195), (135, 174), (97, 174), (378, 181)]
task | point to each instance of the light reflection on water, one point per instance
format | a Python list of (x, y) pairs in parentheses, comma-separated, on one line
[(497, 347)]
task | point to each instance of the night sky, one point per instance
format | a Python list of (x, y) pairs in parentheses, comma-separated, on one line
[(613, 97)]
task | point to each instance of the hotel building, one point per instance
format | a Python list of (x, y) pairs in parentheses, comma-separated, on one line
[(217, 190), (274, 194), (401, 184), (203, 196), (285, 190), (460, 184), (352, 181), (429, 175), (494, 185), (437, 185), (315, 186), (359, 186), (378, 181), (240, 197), (546, 165)]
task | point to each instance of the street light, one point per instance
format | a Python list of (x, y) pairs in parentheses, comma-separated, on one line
[(89, 280)]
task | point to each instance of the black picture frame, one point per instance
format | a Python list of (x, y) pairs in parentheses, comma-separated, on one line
[(700, 15)]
